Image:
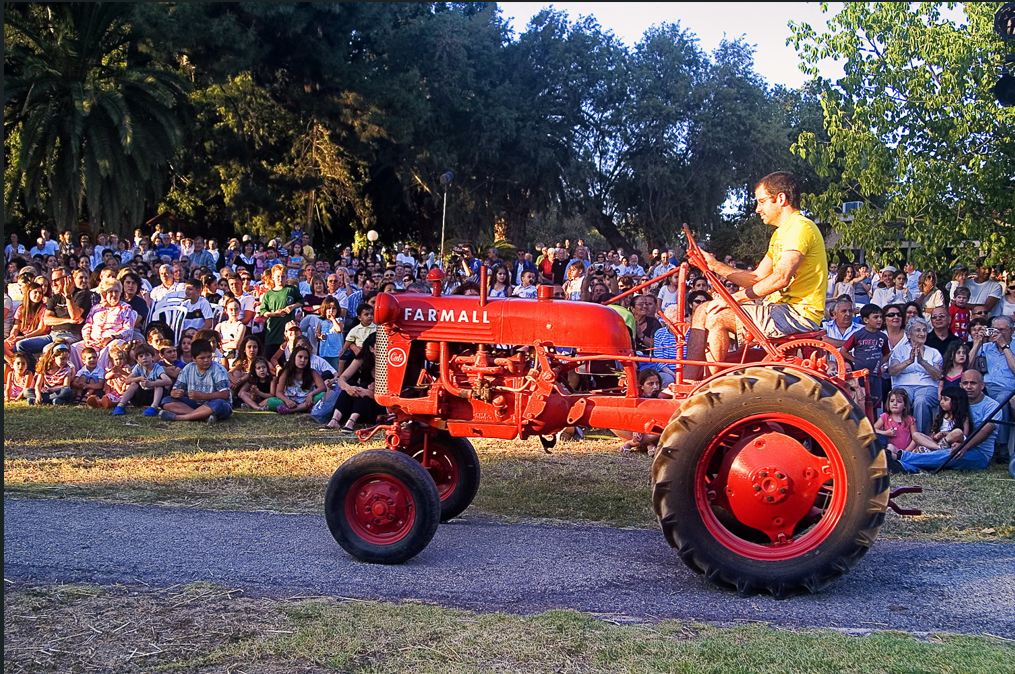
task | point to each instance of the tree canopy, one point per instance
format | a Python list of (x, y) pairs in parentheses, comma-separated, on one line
[(914, 131), (92, 126), (343, 116)]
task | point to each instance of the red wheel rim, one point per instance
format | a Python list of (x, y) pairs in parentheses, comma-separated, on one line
[(794, 440), (380, 509), (443, 468)]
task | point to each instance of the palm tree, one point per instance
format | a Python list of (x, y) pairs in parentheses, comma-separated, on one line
[(89, 127)]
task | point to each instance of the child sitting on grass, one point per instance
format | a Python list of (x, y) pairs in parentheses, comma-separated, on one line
[(650, 384), (116, 380), (19, 381), (53, 384), (953, 422), (148, 383), (297, 385), (259, 386), (239, 371), (202, 390), (897, 424), (90, 378)]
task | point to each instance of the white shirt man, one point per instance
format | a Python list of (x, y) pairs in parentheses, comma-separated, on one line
[(168, 289), (13, 248), (983, 291), (633, 268), (406, 258)]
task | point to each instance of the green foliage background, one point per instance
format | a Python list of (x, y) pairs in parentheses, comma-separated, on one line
[(343, 116)]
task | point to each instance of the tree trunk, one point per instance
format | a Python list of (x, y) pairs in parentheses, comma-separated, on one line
[(610, 232)]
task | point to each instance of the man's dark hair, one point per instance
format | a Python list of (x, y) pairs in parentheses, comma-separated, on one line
[(782, 182), (195, 283), (200, 347)]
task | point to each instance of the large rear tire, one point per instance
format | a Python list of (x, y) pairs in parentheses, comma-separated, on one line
[(454, 467), (382, 507), (770, 479)]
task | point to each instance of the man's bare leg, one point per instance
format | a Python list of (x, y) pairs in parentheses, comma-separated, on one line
[(718, 324)]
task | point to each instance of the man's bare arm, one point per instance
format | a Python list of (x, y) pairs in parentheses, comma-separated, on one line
[(778, 279)]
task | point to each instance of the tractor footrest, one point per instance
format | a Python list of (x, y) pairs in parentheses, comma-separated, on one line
[(899, 491)]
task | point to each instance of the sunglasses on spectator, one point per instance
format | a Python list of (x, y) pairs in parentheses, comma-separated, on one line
[(893, 314)]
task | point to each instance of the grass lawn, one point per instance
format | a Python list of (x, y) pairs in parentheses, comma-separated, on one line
[(263, 461), (208, 628)]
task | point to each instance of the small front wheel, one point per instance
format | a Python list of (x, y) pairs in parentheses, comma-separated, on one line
[(454, 467), (382, 507)]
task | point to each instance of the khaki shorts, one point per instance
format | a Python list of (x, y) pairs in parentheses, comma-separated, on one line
[(775, 320)]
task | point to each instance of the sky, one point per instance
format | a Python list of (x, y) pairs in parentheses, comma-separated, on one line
[(762, 24)]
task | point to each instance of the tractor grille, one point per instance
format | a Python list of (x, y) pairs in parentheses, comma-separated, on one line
[(381, 351)]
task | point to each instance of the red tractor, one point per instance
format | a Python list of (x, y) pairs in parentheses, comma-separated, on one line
[(768, 476)]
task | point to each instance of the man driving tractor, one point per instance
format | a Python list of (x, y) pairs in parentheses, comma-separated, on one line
[(791, 278)]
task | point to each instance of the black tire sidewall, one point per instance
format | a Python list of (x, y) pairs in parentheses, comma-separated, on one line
[(461, 451), (421, 488)]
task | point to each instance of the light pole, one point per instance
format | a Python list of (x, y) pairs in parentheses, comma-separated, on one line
[(445, 179)]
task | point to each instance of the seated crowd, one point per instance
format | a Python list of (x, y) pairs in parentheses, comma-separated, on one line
[(184, 330)]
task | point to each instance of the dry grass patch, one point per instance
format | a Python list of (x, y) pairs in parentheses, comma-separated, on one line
[(207, 628), (258, 461)]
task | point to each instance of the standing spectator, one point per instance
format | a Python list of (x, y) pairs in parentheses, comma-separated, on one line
[(559, 267), (959, 313), (278, 306), (912, 279), (246, 300), (868, 349), (669, 293), (405, 257), (916, 367), (862, 286), (201, 392), (984, 292)]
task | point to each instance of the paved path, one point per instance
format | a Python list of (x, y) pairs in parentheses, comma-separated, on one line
[(906, 585)]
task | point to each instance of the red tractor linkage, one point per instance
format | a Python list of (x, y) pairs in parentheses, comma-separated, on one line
[(768, 476)]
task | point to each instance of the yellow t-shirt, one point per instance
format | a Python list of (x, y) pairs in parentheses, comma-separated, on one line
[(806, 290)]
